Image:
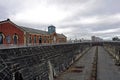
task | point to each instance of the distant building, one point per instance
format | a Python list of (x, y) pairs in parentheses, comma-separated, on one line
[(10, 33), (96, 39)]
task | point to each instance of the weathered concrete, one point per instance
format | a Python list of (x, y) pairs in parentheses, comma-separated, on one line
[(114, 50), (31, 63), (107, 70), (80, 70)]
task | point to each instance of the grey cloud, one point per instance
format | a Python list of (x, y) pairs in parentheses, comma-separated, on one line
[(3, 13), (9, 7), (91, 8), (98, 8), (67, 2), (105, 27)]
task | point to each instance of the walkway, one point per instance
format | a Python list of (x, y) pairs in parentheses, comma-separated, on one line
[(80, 70), (107, 70)]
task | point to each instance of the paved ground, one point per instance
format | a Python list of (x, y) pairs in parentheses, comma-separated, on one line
[(81, 70), (106, 68)]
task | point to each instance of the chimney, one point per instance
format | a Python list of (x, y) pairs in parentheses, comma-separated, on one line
[(8, 19)]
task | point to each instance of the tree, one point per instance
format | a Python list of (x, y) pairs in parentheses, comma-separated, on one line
[(115, 39)]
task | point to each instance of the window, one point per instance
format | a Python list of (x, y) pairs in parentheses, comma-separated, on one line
[(30, 39), (54, 39), (8, 39), (40, 40), (1, 38), (15, 38), (35, 39), (45, 39)]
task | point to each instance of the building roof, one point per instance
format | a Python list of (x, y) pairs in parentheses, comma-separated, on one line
[(31, 30), (61, 35), (5, 21), (26, 29), (51, 26)]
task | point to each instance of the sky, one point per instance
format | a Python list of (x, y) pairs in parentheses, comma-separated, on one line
[(74, 18)]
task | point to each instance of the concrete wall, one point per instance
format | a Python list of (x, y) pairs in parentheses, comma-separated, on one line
[(114, 51)]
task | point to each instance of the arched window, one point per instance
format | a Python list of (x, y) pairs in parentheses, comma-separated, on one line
[(15, 38), (35, 40), (45, 39), (30, 39), (1, 38), (54, 39), (40, 40), (8, 39)]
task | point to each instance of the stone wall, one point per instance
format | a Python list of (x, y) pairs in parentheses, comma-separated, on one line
[(114, 51), (31, 63)]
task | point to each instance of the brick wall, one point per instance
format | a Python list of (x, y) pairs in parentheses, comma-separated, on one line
[(9, 29)]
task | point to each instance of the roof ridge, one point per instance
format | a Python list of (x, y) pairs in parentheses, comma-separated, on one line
[(32, 28)]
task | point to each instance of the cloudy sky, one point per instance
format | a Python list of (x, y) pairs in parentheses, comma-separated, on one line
[(74, 18)]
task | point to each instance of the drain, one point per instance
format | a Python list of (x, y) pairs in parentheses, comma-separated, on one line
[(79, 67), (76, 70)]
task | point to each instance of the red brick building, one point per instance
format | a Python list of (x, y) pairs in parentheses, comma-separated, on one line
[(10, 33)]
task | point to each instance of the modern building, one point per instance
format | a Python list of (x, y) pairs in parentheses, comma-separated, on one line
[(10, 33)]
